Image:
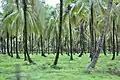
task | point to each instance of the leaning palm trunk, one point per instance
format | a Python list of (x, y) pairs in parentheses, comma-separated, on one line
[(99, 43)]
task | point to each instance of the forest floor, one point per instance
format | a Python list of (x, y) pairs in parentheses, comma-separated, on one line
[(106, 69)]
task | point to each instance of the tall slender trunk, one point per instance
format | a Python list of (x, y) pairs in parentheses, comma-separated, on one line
[(42, 54), (113, 57), (100, 42), (117, 46), (95, 41), (8, 44), (30, 43), (60, 33), (11, 46), (91, 33), (17, 55), (71, 41), (26, 54), (111, 42), (2, 46)]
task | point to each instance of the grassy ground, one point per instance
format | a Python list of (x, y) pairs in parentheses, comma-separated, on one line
[(66, 70)]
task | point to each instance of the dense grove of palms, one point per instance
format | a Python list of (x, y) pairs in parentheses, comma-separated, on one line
[(31, 27)]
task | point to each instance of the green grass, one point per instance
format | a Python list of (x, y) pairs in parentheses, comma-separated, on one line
[(66, 69)]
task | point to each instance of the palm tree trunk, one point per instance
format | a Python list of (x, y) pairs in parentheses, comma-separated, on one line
[(71, 41), (117, 46), (17, 55), (113, 57), (2, 46), (26, 54), (42, 54), (8, 44), (11, 46), (91, 34), (30, 43), (100, 42), (60, 33)]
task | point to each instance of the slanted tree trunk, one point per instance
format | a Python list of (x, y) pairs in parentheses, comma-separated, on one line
[(60, 33), (26, 54), (113, 57), (100, 42)]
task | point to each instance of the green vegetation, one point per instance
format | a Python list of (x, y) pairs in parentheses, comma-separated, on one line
[(66, 69)]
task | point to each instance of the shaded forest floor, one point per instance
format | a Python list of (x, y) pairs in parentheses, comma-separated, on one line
[(106, 69)]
